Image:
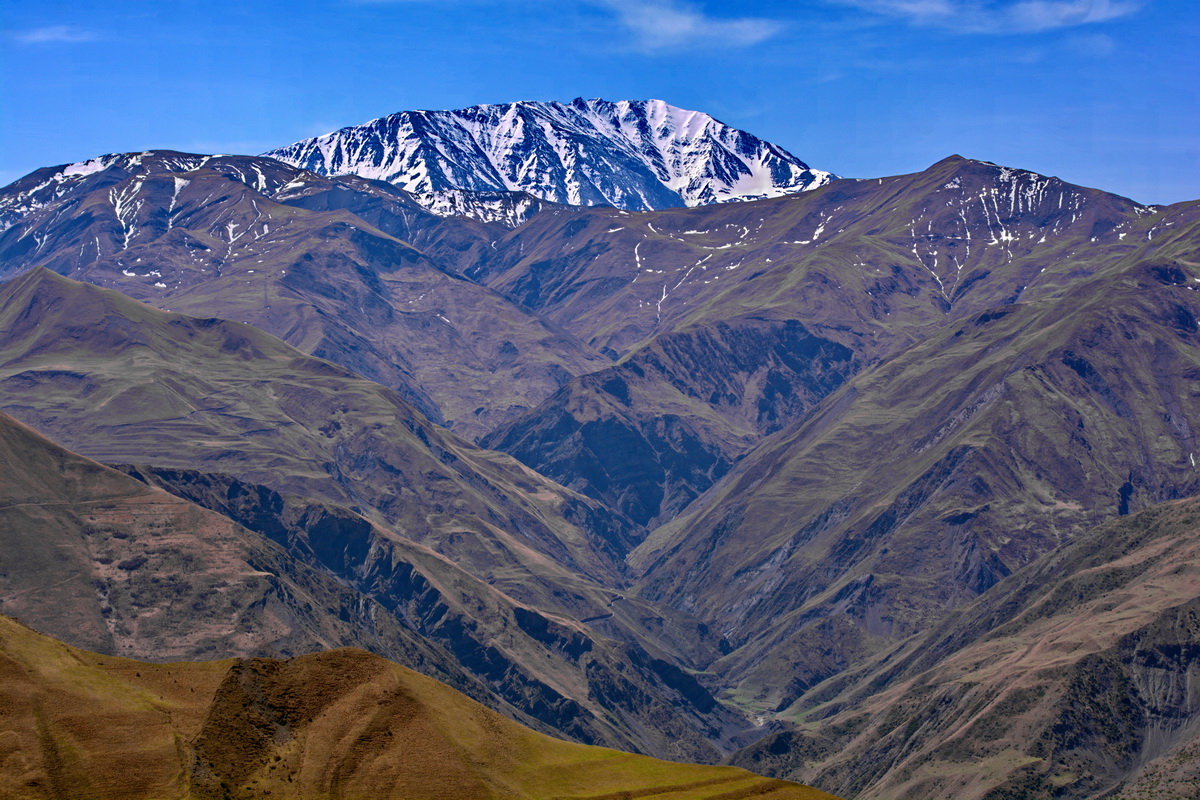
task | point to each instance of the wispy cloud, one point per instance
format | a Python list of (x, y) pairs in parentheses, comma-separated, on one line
[(984, 16), (1095, 46), (67, 34), (668, 24)]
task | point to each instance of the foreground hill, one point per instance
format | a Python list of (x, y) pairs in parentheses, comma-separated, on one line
[(1073, 678), (342, 724)]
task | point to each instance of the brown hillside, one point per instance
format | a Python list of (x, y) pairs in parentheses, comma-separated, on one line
[(341, 723)]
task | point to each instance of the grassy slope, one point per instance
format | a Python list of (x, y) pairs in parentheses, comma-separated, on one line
[(97, 558), (336, 724), (121, 382), (887, 259), (91, 555)]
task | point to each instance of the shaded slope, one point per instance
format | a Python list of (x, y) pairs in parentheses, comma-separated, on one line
[(342, 723), (1068, 679), (124, 383), (96, 558), (885, 258), (544, 669), (732, 322), (651, 434)]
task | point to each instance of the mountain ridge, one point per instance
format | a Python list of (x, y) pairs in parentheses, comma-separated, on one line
[(1068, 680)]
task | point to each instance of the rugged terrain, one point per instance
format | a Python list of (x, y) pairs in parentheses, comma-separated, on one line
[(805, 461), (1069, 677), (97, 557), (731, 322), (349, 270), (478, 553), (1050, 416)]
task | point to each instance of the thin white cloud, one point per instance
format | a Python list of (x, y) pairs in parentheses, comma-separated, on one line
[(654, 24), (989, 16), (1095, 46), (668, 24), (68, 34)]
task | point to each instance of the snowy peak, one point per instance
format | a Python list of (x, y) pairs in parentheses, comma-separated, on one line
[(632, 154)]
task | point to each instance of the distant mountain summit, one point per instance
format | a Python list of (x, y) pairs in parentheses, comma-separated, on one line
[(633, 154)]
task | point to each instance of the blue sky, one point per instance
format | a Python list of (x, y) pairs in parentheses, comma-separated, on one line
[(1099, 92)]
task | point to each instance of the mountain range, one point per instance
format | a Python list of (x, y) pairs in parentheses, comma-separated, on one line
[(881, 485)]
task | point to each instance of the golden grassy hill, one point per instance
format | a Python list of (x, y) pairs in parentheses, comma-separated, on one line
[(338, 724)]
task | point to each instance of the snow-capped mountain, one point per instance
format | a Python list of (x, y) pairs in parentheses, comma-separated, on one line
[(632, 154)]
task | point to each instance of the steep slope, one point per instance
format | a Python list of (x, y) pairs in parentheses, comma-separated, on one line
[(342, 723), (635, 154), (122, 382), (348, 269), (92, 556), (887, 256), (98, 560), (353, 481), (1072, 677), (650, 435), (924, 481), (733, 321)]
